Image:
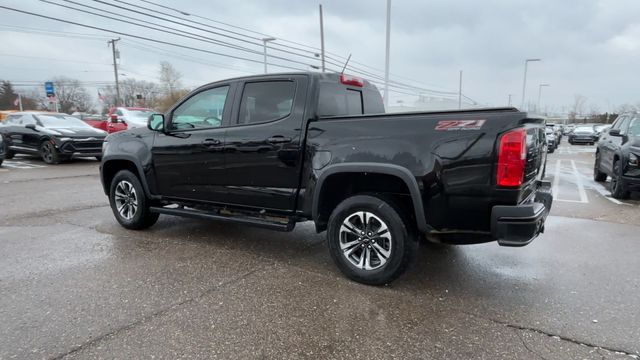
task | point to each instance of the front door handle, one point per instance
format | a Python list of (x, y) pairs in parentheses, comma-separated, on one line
[(211, 142), (278, 139)]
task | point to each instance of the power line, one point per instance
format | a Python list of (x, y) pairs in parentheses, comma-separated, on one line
[(52, 59), (29, 30), (144, 38), (160, 51), (165, 29), (353, 68), (172, 21)]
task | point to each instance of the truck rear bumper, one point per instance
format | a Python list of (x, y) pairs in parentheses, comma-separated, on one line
[(518, 225)]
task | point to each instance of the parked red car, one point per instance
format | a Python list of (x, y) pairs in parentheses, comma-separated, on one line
[(101, 122)]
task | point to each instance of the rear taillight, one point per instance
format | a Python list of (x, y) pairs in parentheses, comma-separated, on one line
[(512, 157), (351, 80)]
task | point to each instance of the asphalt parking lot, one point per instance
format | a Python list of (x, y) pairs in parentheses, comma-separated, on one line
[(75, 284)]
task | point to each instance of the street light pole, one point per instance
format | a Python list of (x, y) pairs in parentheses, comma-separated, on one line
[(524, 80), (540, 94), (264, 42), (460, 92), (386, 57), (322, 38), (509, 103)]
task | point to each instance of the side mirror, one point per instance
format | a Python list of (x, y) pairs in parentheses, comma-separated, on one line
[(31, 126), (615, 132), (114, 118), (156, 122)]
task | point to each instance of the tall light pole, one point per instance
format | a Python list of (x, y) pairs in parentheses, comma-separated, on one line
[(322, 39), (524, 80), (509, 102), (386, 56), (264, 42), (460, 92), (540, 94)]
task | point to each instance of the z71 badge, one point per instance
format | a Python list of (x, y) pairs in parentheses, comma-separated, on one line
[(450, 125)]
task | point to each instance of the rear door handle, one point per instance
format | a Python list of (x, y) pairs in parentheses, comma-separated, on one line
[(211, 142), (278, 139)]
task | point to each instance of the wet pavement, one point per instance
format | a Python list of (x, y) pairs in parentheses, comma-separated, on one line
[(75, 284)]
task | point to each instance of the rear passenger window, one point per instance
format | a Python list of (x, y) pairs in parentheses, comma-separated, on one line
[(266, 101)]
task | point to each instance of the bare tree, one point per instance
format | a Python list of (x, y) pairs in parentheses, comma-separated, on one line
[(578, 107), (72, 96), (170, 78), (171, 85), (140, 93)]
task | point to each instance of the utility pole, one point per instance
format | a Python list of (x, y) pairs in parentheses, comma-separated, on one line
[(460, 92), (264, 42), (321, 39), (524, 81), (386, 59), (112, 43), (509, 103)]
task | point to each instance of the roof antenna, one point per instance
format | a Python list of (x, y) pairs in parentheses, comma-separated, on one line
[(345, 65)]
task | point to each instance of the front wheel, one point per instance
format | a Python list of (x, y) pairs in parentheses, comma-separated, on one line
[(618, 185), (49, 153), (598, 175), (129, 203), (8, 154), (369, 240)]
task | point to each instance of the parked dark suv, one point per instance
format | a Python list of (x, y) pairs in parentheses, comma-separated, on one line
[(617, 156)]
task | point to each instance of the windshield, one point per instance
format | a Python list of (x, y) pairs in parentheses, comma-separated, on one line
[(634, 127), (584, 129), (62, 122), (144, 114)]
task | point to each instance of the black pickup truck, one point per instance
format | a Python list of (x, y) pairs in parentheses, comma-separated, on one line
[(279, 149)]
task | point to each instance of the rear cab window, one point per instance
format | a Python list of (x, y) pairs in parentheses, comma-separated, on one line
[(336, 99)]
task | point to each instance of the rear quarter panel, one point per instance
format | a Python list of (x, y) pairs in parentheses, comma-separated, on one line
[(453, 163)]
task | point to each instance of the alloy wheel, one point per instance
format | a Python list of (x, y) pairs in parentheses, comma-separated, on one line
[(126, 199), (365, 240)]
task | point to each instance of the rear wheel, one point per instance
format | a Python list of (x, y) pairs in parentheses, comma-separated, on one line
[(618, 185), (598, 175), (129, 203), (49, 153), (369, 240)]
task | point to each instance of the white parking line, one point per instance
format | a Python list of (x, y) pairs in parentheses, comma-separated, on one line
[(578, 181), (556, 180), (12, 164), (583, 194)]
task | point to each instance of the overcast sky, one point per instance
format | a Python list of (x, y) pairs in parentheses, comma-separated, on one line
[(587, 47)]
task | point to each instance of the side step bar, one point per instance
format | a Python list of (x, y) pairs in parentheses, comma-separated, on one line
[(246, 220)]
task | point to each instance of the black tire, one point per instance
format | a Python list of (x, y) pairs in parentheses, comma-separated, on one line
[(48, 153), (619, 188), (598, 175), (140, 216), (550, 151), (99, 158), (402, 243), (8, 154), (1, 162)]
